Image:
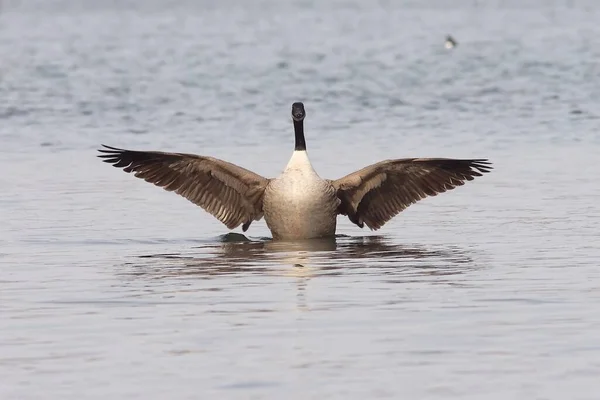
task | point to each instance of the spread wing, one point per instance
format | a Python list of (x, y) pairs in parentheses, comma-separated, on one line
[(230, 193), (375, 194)]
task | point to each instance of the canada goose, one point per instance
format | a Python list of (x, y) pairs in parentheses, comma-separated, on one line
[(450, 42), (298, 204)]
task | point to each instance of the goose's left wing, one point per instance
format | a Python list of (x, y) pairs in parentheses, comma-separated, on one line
[(375, 194)]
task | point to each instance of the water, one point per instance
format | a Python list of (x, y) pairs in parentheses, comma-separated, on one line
[(112, 288)]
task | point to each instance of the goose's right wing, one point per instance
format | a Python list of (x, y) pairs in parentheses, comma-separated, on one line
[(230, 193), (375, 194)]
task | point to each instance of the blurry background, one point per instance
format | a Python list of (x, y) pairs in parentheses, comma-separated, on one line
[(489, 291)]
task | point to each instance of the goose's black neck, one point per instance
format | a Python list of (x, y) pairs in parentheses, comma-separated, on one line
[(299, 131)]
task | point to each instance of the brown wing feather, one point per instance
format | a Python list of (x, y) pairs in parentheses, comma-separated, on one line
[(230, 193), (377, 193)]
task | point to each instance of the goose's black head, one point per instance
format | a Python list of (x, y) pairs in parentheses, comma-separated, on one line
[(298, 112)]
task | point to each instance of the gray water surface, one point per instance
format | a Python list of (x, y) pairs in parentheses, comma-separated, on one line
[(113, 288)]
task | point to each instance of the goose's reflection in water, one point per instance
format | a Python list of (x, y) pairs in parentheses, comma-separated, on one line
[(374, 255)]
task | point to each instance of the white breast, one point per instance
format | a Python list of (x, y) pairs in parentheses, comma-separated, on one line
[(299, 163), (299, 183)]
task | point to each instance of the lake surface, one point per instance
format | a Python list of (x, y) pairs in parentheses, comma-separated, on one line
[(113, 288)]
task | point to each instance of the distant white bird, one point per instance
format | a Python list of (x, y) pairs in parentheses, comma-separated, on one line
[(298, 204), (450, 42)]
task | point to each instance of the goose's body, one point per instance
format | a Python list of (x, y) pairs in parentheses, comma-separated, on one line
[(298, 204)]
